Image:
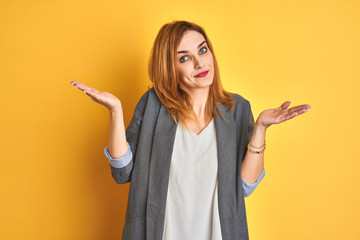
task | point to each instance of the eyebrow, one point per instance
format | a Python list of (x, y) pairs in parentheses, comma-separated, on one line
[(198, 47)]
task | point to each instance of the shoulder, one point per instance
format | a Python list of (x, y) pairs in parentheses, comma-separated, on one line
[(149, 96), (148, 102), (149, 93), (241, 109), (240, 103)]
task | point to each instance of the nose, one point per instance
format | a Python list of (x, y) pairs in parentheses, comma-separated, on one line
[(199, 63)]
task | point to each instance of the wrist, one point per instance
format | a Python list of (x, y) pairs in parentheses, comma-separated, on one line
[(116, 110), (260, 126)]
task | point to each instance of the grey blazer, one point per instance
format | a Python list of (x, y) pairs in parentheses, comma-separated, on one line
[(151, 135)]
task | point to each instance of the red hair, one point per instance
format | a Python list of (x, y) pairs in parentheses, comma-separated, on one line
[(165, 77)]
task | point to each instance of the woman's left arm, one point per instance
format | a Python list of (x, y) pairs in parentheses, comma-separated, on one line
[(253, 164)]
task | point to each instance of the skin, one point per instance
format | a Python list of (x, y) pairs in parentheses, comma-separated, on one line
[(195, 60)]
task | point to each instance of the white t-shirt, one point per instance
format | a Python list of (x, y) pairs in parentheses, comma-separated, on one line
[(192, 201)]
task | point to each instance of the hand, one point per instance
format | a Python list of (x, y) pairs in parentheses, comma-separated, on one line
[(280, 114), (104, 98)]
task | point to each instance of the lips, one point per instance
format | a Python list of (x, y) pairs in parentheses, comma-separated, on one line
[(202, 74)]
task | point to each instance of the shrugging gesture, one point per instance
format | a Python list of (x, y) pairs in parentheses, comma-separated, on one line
[(117, 139), (253, 163), (280, 114), (104, 98)]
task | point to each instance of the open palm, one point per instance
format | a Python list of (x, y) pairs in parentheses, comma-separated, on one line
[(280, 114), (104, 98)]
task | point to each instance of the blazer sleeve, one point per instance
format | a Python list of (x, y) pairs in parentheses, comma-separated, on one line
[(123, 174), (244, 123), (249, 188), (250, 125)]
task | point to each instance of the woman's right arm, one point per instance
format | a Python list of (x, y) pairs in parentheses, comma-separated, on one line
[(117, 139)]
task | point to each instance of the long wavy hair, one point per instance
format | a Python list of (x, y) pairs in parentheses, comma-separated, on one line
[(165, 77)]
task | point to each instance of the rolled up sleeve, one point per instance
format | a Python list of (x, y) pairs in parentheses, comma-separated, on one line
[(121, 161), (250, 187)]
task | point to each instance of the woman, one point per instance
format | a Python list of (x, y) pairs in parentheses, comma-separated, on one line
[(192, 150)]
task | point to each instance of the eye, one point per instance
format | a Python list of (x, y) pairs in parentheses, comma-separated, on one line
[(185, 58), (182, 59), (203, 50)]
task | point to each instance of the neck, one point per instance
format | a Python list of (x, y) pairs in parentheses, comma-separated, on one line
[(199, 97)]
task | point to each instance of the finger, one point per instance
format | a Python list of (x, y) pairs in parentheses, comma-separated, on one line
[(285, 105), (300, 107), (84, 88), (78, 85), (288, 116), (294, 114), (92, 94), (94, 90), (75, 83)]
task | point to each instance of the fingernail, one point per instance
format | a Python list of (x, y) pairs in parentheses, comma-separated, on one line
[(308, 108), (84, 91), (76, 86), (72, 84)]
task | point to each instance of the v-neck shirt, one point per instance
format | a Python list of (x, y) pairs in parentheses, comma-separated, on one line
[(192, 204)]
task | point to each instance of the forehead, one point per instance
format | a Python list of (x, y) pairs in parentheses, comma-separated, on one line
[(190, 39)]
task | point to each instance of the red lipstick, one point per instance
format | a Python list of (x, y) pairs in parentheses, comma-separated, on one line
[(202, 74)]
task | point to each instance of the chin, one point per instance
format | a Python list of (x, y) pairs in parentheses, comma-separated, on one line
[(206, 82), (199, 83)]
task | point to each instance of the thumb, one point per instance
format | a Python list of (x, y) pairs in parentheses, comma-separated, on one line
[(285, 105)]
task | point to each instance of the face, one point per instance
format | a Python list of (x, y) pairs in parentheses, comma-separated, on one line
[(193, 60)]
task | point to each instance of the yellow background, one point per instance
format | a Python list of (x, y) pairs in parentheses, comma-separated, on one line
[(55, 181)]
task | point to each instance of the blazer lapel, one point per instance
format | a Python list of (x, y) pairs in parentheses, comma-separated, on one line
[(162, 149), (226, 145)]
